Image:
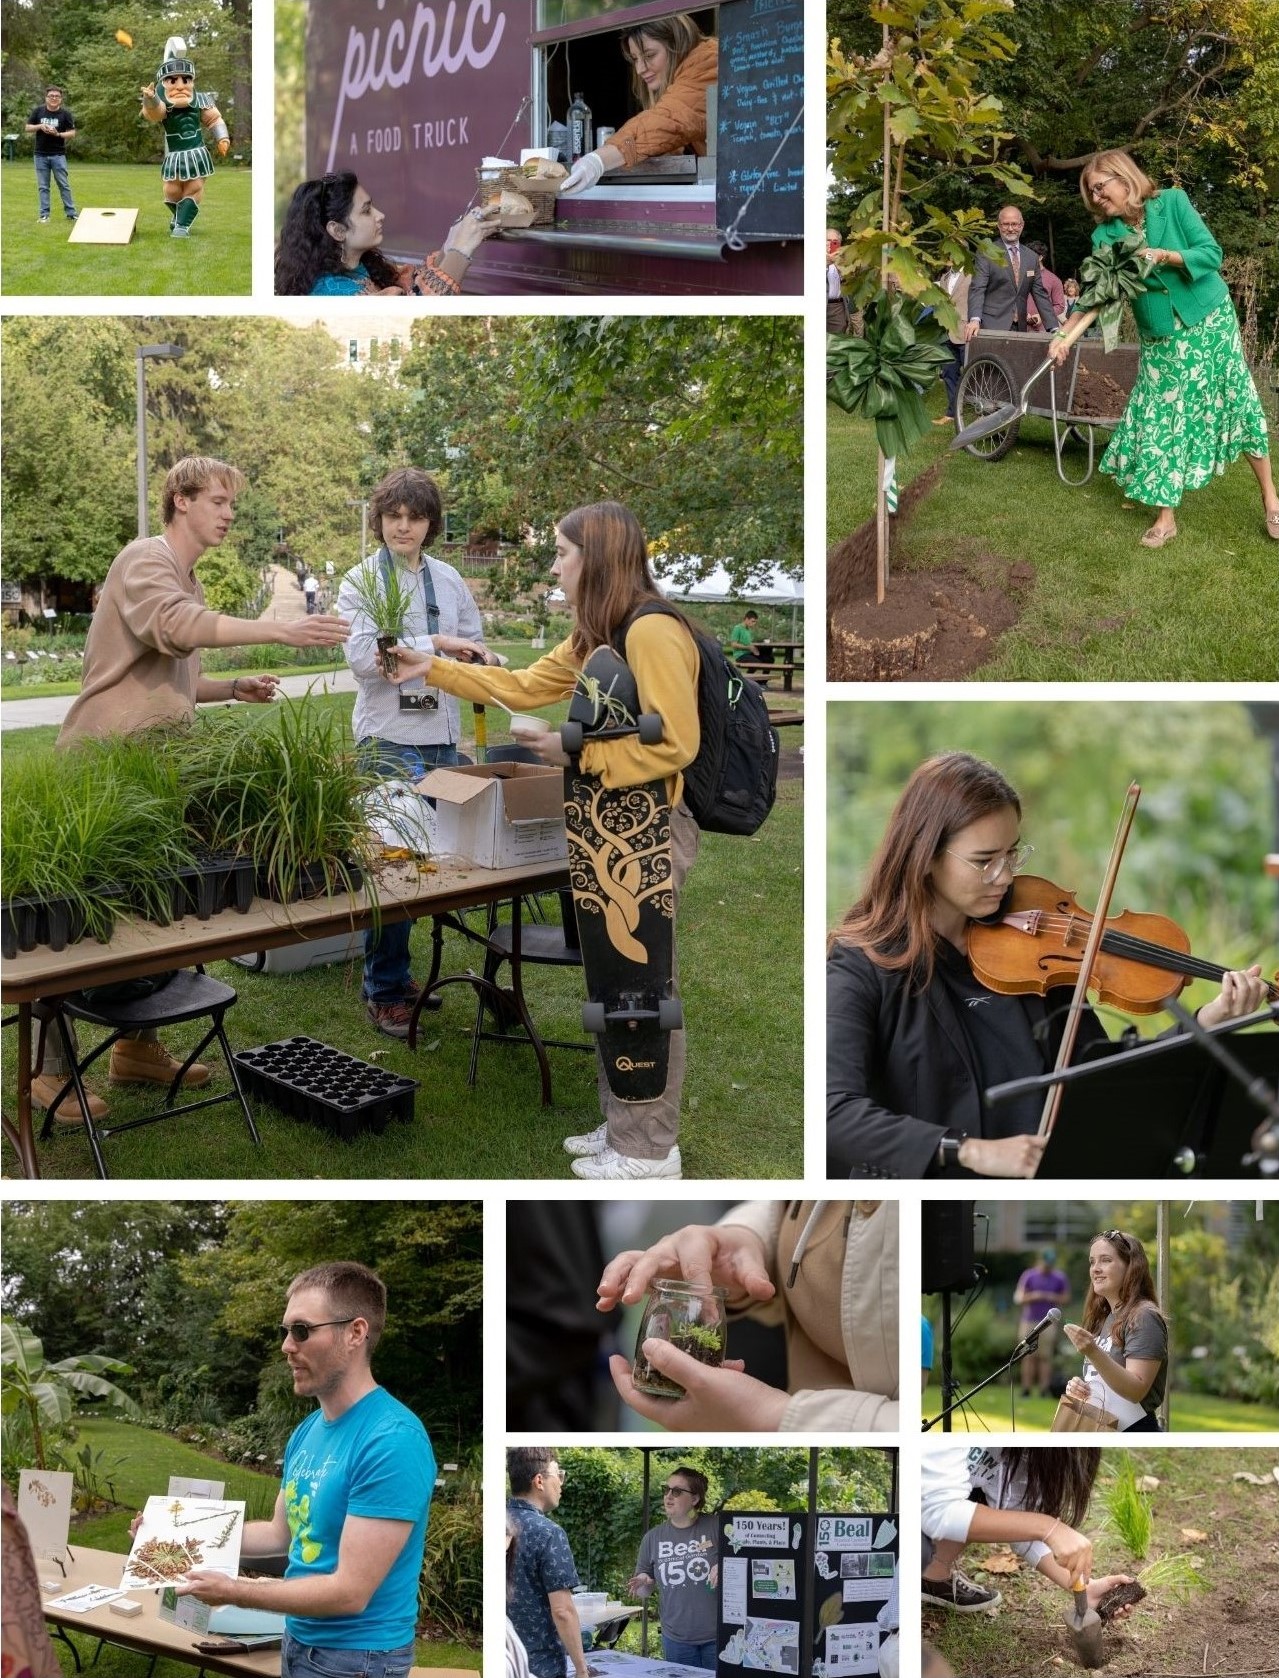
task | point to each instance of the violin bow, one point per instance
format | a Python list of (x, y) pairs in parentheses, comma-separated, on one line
[(1079, 999)]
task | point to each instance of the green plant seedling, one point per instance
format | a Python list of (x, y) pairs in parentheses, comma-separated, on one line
[(385, 598)]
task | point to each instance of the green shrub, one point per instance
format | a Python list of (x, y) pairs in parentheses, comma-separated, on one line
[(451, 1589)]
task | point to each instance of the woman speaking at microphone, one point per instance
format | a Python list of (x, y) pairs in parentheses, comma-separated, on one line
[(1124, 1335)]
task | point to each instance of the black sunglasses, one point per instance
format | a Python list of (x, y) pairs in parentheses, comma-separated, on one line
[(1116, 1237), (302, 1332)]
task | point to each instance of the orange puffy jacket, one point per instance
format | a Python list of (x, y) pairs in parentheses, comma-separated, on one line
[(678, 119)]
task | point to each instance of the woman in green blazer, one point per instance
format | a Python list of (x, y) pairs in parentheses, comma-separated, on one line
[(1194, 407)]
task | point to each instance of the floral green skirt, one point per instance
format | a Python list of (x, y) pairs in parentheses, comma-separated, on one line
[(1193, 409)]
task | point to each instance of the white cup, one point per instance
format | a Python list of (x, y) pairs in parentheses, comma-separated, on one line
[(527, 728)]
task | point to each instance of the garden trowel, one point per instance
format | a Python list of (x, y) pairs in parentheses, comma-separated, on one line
[(1086, 1629)]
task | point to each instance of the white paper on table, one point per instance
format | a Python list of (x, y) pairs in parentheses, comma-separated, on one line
[(44, 1505), (87, 1598), (179, 1533)]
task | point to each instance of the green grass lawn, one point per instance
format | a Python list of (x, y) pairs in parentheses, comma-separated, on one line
[(138, 1462), (741, 974), (1220, 1627), (1188, 1413), (39, 261), (1101, 607)]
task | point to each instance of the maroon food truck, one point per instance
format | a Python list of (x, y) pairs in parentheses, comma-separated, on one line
[(412, 95)]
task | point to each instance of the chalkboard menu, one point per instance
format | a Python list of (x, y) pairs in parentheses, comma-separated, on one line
[(761, 92)]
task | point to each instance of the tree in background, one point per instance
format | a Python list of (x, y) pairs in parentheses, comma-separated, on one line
[(39, 1395), (73, 43)]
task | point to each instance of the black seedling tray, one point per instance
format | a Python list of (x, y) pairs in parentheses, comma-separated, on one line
[(311, 1081)]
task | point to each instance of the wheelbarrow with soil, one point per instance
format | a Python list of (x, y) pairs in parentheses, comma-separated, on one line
[(1089, 392)]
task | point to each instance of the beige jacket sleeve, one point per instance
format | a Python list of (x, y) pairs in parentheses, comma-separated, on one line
[(868, 1319), (679, 117)]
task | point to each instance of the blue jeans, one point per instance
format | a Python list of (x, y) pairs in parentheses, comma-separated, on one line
[(304, 1660), (57, 166), (951, 374), (386, 953), (689, 1654)]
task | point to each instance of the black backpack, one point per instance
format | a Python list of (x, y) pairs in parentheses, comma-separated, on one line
[(731, 785)]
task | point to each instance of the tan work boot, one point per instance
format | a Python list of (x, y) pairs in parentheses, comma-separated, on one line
[(45, 1087), (141, 1060)]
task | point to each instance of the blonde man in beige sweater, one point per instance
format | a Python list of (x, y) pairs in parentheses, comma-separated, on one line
[(142, 668)]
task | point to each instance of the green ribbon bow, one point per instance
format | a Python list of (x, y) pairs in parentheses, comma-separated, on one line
[(1111, 277), (885, 372)]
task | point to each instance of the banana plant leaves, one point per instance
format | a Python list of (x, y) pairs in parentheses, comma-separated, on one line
[(885, 373), (1111, 277)]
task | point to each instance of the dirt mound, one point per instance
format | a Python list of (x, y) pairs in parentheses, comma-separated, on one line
[(934, 626)]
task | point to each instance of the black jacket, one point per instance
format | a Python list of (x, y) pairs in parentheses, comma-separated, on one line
[(900, 1070)]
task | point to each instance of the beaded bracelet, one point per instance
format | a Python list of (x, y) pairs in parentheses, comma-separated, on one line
[(234, 685)]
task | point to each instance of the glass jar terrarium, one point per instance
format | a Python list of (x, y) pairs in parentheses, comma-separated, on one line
[(693, 1318)]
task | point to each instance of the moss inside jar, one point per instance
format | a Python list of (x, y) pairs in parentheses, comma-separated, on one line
[(693, 1319)]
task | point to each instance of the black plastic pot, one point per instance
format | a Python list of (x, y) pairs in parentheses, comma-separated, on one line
[(314, 879), (323, 1086), (19, 925)]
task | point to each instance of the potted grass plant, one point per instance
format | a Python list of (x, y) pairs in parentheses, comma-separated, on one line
[(385, 597)]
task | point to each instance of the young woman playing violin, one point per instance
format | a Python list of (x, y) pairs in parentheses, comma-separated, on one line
[(913, 1036)]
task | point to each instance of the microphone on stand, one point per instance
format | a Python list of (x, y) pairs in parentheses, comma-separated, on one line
[(1051, 1316)]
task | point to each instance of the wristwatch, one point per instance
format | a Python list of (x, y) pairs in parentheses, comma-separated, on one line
[(949, 1146)]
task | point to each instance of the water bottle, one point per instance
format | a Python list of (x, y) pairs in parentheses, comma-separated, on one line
[(581, 138)]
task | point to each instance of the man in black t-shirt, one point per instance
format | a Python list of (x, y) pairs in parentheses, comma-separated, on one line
[(53, 125)]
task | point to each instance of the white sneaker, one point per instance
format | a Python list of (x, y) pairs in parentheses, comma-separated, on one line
[(608, 1163), (594, 1142)]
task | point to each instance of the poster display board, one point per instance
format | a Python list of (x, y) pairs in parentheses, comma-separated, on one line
[(855, 1585), (769, 1591), (761, 90), (44, 1504)]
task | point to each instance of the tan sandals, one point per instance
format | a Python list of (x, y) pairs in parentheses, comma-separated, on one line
[(1272, 525), (1156, 538)]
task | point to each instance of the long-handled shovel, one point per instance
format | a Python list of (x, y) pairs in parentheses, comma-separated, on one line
[(1086, 1628), (990, 423)]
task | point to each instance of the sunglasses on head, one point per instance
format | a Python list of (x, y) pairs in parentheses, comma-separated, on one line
[(302, 1332), (1116, 1237)]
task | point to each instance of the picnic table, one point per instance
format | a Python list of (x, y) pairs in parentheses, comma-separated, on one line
[(775, 658), (139, 948)]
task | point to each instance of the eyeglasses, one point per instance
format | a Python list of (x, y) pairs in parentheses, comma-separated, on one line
[(1096, 187), (1014, 861), (302, 1332), (554, 1471), (678, 1491)]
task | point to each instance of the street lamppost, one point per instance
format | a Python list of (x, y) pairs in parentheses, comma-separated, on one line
[(364, 525), (143, 354)]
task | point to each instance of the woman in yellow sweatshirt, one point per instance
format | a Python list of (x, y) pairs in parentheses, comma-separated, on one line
[(601, 563)]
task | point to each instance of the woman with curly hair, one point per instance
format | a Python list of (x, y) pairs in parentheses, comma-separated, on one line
[(672, 66), (329, 247), (1194, 407), (1124, 1336)]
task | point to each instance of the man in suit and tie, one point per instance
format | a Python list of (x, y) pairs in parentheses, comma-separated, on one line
[(999, 295)]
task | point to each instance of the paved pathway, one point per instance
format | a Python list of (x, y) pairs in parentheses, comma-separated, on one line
[(286, 604)]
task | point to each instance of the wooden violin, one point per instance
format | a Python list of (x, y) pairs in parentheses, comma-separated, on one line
[(1038, 943)]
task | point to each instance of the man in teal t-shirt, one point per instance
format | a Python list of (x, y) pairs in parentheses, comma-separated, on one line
[(352, 1511)]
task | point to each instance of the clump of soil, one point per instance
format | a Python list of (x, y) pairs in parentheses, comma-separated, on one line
[(1119, 1597), (1097, 395), (700, 1342), (933, 626)]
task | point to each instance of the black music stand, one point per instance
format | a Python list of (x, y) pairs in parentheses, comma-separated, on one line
[(1192, 1118)]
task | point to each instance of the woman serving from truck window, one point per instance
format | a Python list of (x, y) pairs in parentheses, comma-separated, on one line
[(672, 65)]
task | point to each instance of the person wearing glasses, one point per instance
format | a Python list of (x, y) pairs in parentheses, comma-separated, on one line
[(544, 1575), (1194, 407), (680, 1558), (1124, 1335), (913, 1036), (356, 1488)]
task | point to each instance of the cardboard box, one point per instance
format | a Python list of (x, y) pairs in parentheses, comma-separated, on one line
[(499, 815)]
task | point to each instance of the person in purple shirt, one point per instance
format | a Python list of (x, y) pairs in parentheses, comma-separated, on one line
[(1039, 1288)]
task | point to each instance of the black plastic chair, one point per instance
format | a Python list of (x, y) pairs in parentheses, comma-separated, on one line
[(189, 995)]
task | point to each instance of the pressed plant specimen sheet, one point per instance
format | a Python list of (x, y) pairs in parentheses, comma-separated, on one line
[(179, 1533)]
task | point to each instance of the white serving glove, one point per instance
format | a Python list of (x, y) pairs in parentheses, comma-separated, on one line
[(586, 172)]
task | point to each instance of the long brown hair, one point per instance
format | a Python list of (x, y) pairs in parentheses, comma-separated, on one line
[(615, 577), (677, 33), (1059, 1481), (892, 920), (1138, 1291)]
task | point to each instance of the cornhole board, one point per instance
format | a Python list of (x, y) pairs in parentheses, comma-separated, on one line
[(103, 227)]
